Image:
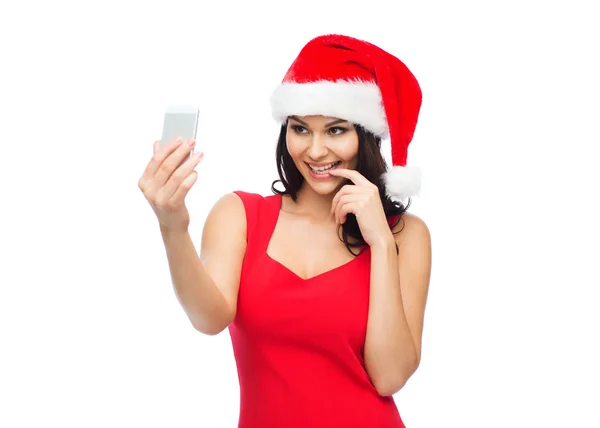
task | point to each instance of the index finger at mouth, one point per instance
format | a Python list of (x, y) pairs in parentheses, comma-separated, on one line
[(350, 174)]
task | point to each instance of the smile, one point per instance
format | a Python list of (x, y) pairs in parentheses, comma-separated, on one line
[(322, 170)]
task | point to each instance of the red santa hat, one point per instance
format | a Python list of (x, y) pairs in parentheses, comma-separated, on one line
[(347, 78)]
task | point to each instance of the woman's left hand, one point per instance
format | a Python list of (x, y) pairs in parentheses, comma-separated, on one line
[(361, 199)]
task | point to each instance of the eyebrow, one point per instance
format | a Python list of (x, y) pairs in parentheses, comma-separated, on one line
[(335, 122), (298, 120), (327, 125)]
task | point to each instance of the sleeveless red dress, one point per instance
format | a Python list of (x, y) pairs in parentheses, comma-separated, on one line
[(298, 343)]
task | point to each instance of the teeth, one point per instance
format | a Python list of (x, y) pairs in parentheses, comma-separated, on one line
[(322, 168)]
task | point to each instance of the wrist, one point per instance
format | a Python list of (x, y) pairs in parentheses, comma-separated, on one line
[(173, 232), (385, 243)]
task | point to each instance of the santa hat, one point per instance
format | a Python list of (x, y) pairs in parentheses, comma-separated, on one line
[(340, 76)]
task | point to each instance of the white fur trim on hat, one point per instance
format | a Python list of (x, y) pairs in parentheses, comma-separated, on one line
[(401, 182), (356, 101)]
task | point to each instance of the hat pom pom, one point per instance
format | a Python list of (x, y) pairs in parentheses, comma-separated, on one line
[(402, 182)]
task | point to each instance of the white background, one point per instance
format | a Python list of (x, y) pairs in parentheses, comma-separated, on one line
[(91, 332)]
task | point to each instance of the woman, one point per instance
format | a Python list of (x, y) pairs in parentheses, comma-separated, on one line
[(323, 284)]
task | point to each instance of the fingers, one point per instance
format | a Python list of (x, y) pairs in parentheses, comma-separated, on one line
[(348, 189), (184, 187), (181, 174), (166, 172), (346, 205), (353, 175), (158, 157), (166, 160), (169, 160)]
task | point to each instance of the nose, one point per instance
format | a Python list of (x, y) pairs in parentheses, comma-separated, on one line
[(318, 147)]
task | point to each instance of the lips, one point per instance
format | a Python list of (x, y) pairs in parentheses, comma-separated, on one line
[(323, 168)]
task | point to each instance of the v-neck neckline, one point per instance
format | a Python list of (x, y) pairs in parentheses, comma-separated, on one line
[(277, 206)]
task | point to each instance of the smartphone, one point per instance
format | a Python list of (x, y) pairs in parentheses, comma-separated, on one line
[(180, 121)]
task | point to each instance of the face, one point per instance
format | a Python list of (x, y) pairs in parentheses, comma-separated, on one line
[(319, 143)]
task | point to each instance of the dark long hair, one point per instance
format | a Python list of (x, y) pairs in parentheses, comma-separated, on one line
[(371, 165)]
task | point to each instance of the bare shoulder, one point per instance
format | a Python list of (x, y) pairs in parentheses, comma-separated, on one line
[(225, 228), (411, 229), (229, 204), (228, 212)]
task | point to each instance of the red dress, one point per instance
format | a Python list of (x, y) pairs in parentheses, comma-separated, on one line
[(298, 344)]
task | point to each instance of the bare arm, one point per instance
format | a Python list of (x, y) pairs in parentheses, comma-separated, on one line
[(207, 286), (399, 287)]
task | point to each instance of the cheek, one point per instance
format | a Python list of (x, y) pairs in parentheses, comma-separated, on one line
[(348, 151), (294, 146)]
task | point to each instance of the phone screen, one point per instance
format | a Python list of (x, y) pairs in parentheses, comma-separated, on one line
[(179, 122)]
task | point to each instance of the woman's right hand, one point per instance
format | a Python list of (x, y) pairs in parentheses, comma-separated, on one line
[(165, 182)]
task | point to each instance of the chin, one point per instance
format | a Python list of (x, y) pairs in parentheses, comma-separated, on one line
[(323, 188)]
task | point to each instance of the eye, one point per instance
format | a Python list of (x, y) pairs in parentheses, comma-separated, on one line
[(298, 129), (337, 130)]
